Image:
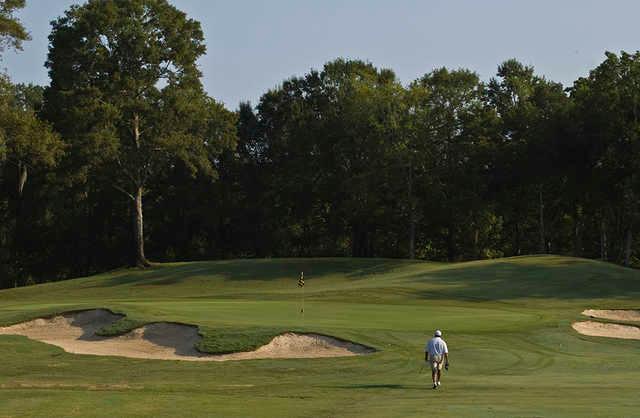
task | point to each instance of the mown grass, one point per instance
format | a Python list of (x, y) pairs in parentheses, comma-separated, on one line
[(507, 322)]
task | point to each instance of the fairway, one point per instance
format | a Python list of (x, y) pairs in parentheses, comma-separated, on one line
[(507, 323)]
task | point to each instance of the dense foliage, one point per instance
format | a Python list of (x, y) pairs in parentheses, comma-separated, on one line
[(12, 32), (125, 86), (343, 161)]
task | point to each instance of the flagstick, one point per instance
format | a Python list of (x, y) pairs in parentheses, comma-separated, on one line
[(301, 284), (303, 293)]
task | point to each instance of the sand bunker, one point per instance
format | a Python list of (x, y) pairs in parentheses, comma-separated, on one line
[(613, 314), (75, 333), (599, 329)]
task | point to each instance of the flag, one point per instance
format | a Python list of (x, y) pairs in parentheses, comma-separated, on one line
[(301, 280)]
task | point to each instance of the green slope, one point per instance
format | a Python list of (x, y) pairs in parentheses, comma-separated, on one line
[(507, 323)]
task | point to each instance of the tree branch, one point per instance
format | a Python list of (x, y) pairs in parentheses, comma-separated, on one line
[(126, 172), (120, 189)]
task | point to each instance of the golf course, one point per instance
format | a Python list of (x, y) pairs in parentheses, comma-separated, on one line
[(507, 322)]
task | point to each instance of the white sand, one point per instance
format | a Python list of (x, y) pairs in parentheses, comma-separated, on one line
[(599, 329), (292, 345), (75, 333), (613, 314)]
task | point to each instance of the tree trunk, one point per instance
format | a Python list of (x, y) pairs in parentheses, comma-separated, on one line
[(412, 220), (542, 246), (370, 236), (517, 239), (577, 233), (577, 246), (476, 242), (603, 240), (627, 248), (19, 236), (141, 260), (412, 238), (357, 245), (451, 244), (22, 177)]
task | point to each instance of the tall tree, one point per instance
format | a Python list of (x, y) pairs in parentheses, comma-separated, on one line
[(528, 106), (12, 32), (327, 139), (28, 141), (125, 83), (29, 144), (364, 128), (608, 114), (451, 124)]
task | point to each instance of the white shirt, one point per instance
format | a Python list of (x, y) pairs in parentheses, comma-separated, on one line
[(436, 347)]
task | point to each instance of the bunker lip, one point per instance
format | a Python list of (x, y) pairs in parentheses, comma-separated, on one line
[(614, 314), (75, 332), (602, 329)]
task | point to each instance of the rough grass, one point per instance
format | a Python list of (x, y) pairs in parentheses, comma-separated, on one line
[(507, 322), (223, 341)]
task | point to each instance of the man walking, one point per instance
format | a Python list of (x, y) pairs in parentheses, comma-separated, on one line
[(436, 353)]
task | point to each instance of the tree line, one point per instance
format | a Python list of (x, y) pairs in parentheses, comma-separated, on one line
[(124, 156)]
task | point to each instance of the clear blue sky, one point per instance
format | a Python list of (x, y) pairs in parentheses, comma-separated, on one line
[(254, 45)]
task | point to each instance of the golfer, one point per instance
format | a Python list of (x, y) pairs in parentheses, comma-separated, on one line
[(436, 353)]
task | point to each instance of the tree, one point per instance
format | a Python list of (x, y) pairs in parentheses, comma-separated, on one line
[(363, 128), (529, 107), (244, 184), (326, 139), (608, 113), (26, 144), (29, 144), (28, 141), (12, 33), (186, 213), (451, 125), (126, 92)]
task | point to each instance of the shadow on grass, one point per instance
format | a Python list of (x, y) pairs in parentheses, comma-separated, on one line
[(515, 278), (369, 386), (255, 270), (531, 277)]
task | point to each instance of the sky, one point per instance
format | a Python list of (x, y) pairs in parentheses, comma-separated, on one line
[(253, 45)]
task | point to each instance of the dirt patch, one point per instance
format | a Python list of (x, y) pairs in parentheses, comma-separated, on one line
[(613, 314), (599, 329), (75, 333)]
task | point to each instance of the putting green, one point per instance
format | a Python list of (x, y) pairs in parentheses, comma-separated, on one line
[(507, 323)]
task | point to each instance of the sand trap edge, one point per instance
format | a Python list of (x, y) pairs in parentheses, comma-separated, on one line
[(606, 330), (368, 349), (114, 313), (623, 315), (348, 347), (62, 313)]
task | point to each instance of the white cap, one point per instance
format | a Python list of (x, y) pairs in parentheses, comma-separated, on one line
[(438, 333)]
